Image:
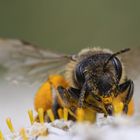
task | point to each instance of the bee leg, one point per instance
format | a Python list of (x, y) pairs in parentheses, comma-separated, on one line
[(70, 98), (63, 94), (127, 88), (82, 96), (69, 94), (81, 99), (55, 108), (75, 93)]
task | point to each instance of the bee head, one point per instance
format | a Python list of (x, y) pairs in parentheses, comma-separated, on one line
[(99, 73), (98, 77), (94, 79)]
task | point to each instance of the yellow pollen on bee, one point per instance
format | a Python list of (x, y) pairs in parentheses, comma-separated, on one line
[(31, 117), (80, 114), (23, 134), (65, 110), (1, 135), (51, 115), (107, 100), (41, 115), (60, 113), (118, 106), (10, 125)]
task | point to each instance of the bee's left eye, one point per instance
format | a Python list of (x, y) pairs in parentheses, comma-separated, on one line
[(79, 75)]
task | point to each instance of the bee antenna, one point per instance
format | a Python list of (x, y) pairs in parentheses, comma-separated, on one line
[(113, 55)]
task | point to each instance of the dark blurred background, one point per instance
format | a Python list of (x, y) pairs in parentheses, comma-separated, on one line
[(68, 26)]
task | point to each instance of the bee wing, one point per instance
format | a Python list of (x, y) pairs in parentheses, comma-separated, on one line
[(26, 62), (131, 62)]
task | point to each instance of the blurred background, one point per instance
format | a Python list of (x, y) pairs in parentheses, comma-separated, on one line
[(63, 26), (68, 26)]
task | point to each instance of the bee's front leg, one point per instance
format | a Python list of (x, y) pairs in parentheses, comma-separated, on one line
[(127, 89)]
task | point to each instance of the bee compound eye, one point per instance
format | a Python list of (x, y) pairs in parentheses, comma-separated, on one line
[(79, 75), (118, 68)]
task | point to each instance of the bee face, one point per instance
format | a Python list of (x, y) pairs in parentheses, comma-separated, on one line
[(98, 80), (105, 84)]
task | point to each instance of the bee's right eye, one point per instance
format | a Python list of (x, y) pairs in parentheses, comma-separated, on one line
[(79, 75)]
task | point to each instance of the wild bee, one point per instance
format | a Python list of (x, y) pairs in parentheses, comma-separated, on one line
[(95, 76)]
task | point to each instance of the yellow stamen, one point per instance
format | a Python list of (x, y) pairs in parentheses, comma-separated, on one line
[(23, 134), (41, 115), (30, 113), (80, 114), (9, 124), (65, 114), (60, 113), (1, 136), (51, 115)]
